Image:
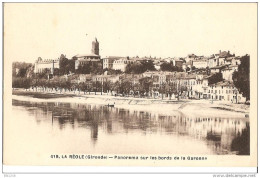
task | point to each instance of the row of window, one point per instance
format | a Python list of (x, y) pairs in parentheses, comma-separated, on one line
[(222, 91)]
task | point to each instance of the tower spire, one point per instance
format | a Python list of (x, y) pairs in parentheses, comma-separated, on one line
[(95, 47)]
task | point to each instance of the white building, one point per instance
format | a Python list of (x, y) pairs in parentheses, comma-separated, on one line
[(49, 64), (108, 61), (228, 72), (120, 64), (224, 91), (201, 63)]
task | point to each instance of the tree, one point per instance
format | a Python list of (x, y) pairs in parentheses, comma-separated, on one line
[(115, 86), (140, 67), (113, 72), (145, 85), (125, 86), (66, 66), (107, 86), (171, 88), (166, 66), (148, 65), (83, 69), (96, 68), (215, 78), (21, 68), (135, 68), (19, 82), (83, 87), (22, 72), (241, 78)]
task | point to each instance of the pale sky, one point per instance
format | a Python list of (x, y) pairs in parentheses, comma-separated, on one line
[(33, 30)]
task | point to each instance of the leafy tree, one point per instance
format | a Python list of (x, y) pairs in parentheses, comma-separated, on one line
[(96, 68), (114, 72), (125, 86), (83, 69), (135, 68), (19, 82), (148, 65), (171, 88), (83, 87), (22, 68), (145, 85), (140, 67), (66, 66), (115, 86), (241, 78), (166, 66), (90, 68), (107, 86), (215, 78)]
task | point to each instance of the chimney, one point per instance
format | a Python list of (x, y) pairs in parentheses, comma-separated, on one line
[(219, 51)]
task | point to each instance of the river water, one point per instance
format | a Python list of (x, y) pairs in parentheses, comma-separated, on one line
[(55, 127)]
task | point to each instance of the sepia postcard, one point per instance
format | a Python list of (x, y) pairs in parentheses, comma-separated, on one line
[(130, 84)]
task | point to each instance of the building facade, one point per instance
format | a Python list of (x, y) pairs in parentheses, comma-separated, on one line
[(42, 64), (120, 64)]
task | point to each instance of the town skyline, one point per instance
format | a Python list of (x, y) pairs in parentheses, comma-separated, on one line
[(121, 33)]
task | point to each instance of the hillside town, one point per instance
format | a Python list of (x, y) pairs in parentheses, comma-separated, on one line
[(222, 76)]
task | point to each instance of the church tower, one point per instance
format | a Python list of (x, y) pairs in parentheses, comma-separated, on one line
[(95, 47)]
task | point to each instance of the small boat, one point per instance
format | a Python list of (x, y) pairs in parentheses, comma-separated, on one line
[(110, 105)]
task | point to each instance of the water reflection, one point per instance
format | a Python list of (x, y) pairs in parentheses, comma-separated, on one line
[(221, 135)]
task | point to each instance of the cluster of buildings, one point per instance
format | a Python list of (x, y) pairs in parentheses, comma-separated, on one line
[(194, 78)]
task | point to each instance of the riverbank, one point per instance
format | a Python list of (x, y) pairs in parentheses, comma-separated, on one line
[(203, 108)]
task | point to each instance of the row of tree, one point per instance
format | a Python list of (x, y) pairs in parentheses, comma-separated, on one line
[(124, 87), (166, 66)]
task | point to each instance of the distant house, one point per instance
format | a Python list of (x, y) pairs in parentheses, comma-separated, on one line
[(217, 69), (50, 64), (201, 63), (84, 77), (190, 57), (228, 72), (108, 61), (225, 91), (213, 61), (223, 55), (187, 65), (178, 63), (120, 64)]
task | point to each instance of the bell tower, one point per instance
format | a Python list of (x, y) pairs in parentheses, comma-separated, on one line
[(95, 47)]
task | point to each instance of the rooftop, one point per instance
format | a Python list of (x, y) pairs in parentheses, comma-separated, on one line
[(86, 55)]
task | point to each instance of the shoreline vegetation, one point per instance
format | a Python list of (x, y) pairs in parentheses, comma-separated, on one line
[(204, 108)]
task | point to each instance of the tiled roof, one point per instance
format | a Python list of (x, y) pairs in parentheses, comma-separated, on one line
[(223, 83), (86, 55)]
